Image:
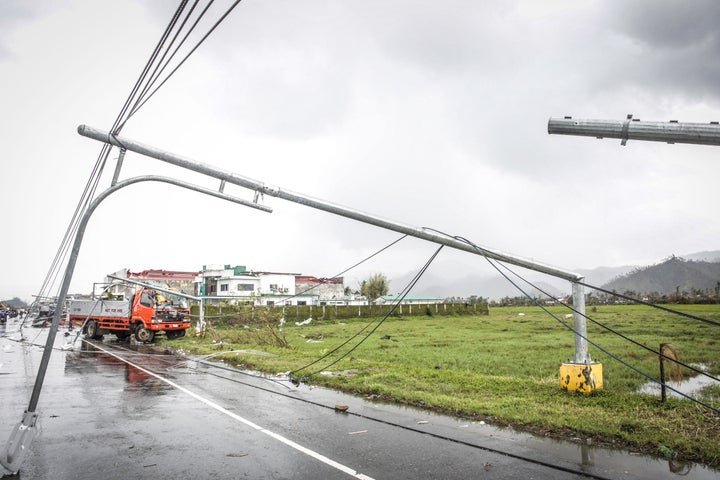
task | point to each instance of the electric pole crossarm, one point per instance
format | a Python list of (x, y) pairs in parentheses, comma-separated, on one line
[(318, 204), (635, 129)]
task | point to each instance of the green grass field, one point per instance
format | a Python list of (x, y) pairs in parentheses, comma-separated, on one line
[(504, 368)]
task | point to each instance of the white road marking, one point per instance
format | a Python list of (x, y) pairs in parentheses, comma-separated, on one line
[(280, 438)]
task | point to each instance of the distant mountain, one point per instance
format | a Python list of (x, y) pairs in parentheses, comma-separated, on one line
[(601, 275), (673, 275), (443, 280), (451, 279), (14, 303)]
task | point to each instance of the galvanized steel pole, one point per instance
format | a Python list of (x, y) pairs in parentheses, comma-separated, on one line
[(274, 191), (634, 129), (582, 355)]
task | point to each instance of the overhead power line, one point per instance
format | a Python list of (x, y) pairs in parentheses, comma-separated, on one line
[(495, 263), (146, 96), (394, 306), (137, 97)]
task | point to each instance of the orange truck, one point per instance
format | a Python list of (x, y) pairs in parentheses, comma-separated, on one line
[(140, 316)]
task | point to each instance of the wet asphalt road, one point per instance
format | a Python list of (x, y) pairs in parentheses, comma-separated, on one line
[(175, 418)]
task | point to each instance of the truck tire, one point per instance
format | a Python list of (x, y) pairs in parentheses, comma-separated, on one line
[(143, 335), (92, 330)]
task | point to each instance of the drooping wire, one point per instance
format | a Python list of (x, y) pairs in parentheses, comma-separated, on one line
[(615, 332), (285, 299), (394, 306), (160, 67), (117, 125), (609, 329), (482, 251), (212, 29), (61, 254), (659, 307), (337, 275), (96, 173)]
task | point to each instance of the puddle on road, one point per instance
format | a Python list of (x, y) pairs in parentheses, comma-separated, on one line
[(620, 463), (89, 358)]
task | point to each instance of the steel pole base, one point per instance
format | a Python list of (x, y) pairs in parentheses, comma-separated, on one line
[(18, 444), (585, 378)]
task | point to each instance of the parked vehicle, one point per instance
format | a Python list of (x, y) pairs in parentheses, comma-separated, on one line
[(139, 316)]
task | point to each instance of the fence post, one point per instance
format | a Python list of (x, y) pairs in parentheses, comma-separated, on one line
[(663, 391)]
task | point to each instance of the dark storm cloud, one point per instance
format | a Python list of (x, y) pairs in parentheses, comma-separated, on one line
[(674, 46), (670, 25)]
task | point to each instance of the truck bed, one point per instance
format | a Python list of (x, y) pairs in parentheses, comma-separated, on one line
[(100, 308)]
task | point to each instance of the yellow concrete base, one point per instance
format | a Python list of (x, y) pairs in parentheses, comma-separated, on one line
[(581, 377)]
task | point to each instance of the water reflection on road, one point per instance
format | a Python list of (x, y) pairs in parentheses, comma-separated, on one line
[(92, 398), (89, 359)]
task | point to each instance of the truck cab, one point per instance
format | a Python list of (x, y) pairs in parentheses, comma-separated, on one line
[(150, 317)]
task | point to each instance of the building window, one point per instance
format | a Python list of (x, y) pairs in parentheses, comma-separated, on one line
[(224, 287), (245, 287), (301, 302), (273, 286), (270, 303)]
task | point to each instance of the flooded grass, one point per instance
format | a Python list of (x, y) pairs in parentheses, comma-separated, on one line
[(504, 368)]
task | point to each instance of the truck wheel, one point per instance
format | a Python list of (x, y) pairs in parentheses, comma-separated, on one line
[(92, 330), (143, 335)]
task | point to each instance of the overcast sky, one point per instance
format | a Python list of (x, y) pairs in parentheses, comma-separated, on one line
[(432, 114)]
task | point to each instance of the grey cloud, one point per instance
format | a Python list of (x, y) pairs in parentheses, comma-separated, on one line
[(668, 24), (673, 48)]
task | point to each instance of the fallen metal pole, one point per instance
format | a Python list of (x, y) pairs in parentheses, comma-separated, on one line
[(581, 353), (154, 287), (634, 129), (308, 201)]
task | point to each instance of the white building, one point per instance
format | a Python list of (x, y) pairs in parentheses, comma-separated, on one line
[(239, 285)]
